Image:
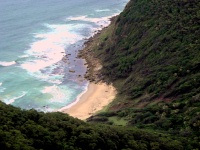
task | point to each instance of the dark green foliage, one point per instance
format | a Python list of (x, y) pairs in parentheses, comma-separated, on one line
[(152, 56), (157, 41), (36, 130)]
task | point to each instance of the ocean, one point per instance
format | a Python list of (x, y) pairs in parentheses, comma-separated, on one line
[(39, 43)]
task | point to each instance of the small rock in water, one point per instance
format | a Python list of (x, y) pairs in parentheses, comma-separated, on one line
[(72, 71)]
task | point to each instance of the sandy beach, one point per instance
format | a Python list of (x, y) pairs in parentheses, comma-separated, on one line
[(94, 99), (99, 94)]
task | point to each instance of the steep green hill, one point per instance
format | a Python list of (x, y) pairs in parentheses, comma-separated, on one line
[(151, 53)]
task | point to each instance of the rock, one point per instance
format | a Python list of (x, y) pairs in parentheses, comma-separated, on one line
[(72, 71)]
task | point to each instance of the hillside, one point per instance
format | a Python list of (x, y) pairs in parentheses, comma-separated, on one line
[(151, 52), (29, 130)]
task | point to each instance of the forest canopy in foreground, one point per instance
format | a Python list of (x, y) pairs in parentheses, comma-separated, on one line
[(36, 130)]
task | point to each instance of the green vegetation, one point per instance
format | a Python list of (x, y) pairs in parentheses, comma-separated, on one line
[(36, 130), (151, 53)]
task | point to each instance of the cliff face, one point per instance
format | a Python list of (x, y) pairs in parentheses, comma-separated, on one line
[(151, 53)]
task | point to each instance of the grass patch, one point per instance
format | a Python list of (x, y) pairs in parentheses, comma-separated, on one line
[(118, 121)]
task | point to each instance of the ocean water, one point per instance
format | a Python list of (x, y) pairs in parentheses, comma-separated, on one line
[(39, 43)]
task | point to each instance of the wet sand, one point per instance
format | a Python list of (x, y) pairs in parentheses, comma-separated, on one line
[(93, 100)]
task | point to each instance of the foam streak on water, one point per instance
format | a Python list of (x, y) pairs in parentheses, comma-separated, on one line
[(10, 100), (101, 22), (5, 64)]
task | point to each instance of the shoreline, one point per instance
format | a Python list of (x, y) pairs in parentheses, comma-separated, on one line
[(97, 96), (98, 93)]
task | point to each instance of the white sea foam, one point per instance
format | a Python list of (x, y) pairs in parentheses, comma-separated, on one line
[(12, 100), (23, 56), (49, 54), (101, 22), (48, 77), (77, 99), (102, 10), (1, 88), (50, 47), (85, 18), (89, 19), (58, 95), (5, 64)]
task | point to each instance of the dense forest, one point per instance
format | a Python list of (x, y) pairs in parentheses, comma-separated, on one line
[(36, 130), (151, 54)]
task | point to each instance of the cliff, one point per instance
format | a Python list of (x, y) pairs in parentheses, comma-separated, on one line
[(151, 54)]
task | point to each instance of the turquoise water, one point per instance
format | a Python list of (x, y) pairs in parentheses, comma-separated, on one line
[(39, 42)]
